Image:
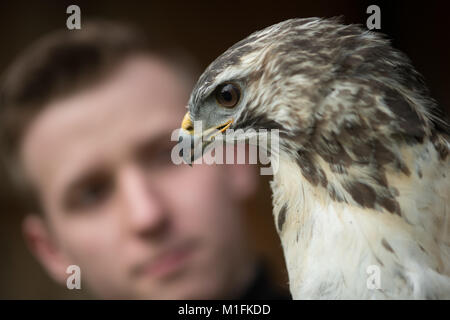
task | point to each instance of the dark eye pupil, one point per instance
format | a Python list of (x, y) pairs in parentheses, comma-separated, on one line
[(228, 95)]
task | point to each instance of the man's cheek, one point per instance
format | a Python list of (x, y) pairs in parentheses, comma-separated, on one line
[(190, 186), (82, 244)]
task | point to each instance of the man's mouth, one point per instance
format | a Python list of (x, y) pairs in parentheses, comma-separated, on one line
[(169, 261)]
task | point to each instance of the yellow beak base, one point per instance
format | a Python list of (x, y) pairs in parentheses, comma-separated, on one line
[(186, 124)]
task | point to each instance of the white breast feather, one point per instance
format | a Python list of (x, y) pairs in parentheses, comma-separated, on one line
[(328, 245)]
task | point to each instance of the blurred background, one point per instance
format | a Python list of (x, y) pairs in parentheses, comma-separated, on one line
[(205, 29)]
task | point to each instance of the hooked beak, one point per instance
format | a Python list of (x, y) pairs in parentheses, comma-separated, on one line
[(195, 140)]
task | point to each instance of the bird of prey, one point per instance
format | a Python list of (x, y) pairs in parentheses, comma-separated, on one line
[(363, 185)]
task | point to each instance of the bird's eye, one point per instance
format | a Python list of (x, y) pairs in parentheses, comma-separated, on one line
[(228, 95)]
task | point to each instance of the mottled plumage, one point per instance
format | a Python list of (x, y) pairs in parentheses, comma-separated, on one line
[(363, 175)]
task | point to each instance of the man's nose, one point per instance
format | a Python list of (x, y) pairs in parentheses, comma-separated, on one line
[(144, 209)]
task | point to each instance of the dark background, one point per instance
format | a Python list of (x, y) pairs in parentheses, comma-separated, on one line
[(206, 29)]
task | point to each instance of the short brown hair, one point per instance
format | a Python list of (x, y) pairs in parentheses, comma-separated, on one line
[(59, 64)]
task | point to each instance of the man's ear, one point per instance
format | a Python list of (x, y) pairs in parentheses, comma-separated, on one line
[(44, 247)]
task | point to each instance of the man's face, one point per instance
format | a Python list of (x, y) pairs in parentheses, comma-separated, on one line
[(137, 225)]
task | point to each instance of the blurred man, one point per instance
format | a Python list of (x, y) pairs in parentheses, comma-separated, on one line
[(87, 118)]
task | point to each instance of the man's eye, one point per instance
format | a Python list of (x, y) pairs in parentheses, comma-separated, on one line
[(158, 156), (164, 155), (90, 195)]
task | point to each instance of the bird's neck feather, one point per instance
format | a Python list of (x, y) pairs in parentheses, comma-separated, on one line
[(313, 225)]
